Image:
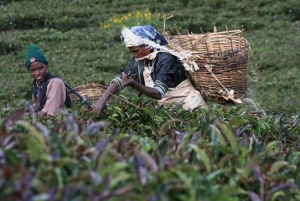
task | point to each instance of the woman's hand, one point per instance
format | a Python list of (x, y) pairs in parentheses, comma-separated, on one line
[(127, 80), (101, 103), (99, 106), (148, 91)]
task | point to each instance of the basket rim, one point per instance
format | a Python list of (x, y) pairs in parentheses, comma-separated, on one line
[(92, 90), (95, 85)]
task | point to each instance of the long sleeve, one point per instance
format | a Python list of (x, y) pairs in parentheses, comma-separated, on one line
[(55, 96), (135, 67)]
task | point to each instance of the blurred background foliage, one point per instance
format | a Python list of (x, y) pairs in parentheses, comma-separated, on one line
[(81, 39), (224, 153)]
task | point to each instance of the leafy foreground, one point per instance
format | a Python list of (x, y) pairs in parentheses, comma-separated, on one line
[(145, 152)]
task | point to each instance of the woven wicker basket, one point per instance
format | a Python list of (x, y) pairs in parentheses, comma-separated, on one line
[(222, 60), (92, 91)]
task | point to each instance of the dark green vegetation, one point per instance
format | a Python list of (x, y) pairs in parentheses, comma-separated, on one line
[(150, 154), (145, 152), (80, 50)]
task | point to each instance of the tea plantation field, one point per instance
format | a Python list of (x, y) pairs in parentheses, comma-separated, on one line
[(136, 150), (81, 39)]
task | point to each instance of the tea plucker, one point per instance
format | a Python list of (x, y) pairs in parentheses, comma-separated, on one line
[(49, 93), (154, 71)]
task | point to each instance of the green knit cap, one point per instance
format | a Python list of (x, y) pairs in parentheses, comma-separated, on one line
[(34, 54)]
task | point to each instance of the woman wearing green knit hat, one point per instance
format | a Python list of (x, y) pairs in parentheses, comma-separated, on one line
[(49, 92)]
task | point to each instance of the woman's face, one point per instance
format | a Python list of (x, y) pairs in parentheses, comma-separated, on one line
[(139, 51), (38, 71)]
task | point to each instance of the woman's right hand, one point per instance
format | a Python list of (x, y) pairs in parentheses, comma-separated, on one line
[(127, 80), (101, 103), (99, 106)]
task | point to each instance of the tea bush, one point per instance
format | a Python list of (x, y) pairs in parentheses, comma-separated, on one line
[(140, 151), (216, 154)]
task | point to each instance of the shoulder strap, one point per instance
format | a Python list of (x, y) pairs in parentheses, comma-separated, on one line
[(74, 92), (86, 99)]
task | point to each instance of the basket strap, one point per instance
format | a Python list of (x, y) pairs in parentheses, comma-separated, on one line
[(74, 91)]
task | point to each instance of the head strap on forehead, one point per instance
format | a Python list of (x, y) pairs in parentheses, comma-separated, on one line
[(147, 35), (140, 35)]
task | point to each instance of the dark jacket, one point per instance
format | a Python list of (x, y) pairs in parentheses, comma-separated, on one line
[(167, 69), (39, 93)]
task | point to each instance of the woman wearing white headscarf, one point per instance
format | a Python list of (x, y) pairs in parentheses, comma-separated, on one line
[(153, 71)]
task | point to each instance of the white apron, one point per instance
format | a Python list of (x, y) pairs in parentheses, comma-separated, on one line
[(184, 93)]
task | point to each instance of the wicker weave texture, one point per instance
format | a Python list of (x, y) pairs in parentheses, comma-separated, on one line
[(222, 58), (232, 74), (92, 90)]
